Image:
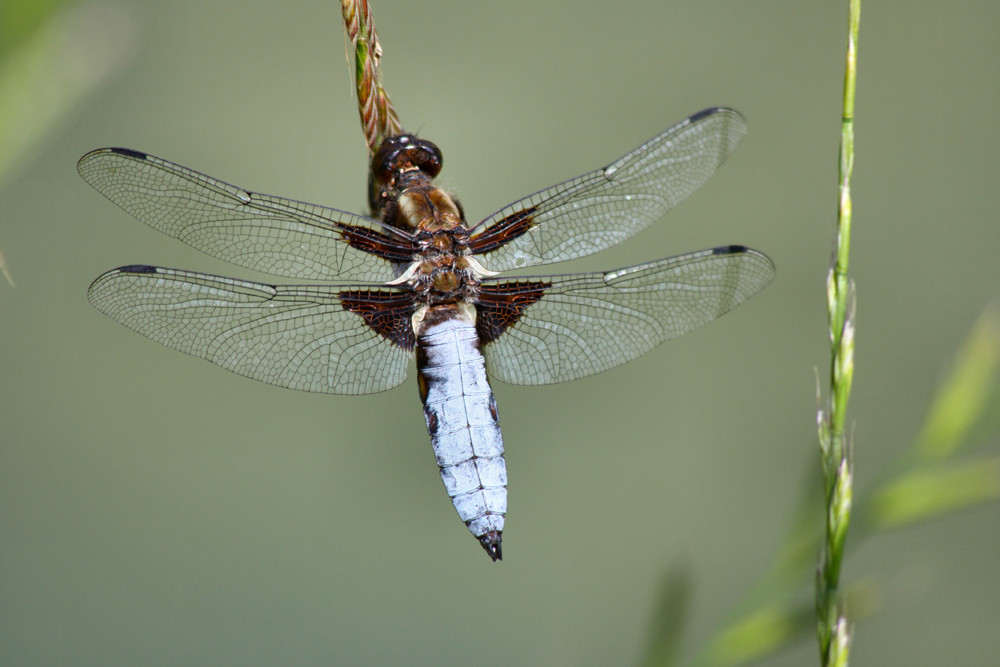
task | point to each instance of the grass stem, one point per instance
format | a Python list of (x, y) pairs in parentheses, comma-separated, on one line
[(833, 627), (378, 116)]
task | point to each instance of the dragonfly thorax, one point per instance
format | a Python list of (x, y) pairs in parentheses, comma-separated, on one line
[(443, 278), (426, 208)]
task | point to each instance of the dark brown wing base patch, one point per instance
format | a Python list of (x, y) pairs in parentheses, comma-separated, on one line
[(503, 231), (378, 244), (388, 313), (501, 305)]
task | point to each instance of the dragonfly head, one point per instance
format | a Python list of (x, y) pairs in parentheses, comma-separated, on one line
[(402, 153)]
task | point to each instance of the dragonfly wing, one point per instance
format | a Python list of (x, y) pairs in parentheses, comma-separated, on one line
[(262, 232), (571, 326), (315, 338), (599, 209)]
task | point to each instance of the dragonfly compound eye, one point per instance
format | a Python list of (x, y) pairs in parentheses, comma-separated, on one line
[(404, 151)]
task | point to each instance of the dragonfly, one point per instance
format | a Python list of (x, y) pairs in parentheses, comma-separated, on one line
[(414, 279)]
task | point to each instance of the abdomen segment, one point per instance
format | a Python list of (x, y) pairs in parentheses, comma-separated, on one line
[(464, 426)]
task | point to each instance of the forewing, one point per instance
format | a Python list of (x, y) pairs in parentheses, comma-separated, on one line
[(599, 209), (314, 338), (576, 325), (261, 232)]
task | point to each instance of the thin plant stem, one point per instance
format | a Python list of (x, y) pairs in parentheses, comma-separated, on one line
[(378, 116), (833, 628), (5, 270)]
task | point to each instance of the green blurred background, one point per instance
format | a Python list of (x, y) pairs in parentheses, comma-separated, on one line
[(159, 510)]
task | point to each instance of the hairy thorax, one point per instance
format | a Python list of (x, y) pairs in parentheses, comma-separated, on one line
[(445, 271)]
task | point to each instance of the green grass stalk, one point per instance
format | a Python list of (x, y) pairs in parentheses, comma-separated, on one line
[(833, 629)]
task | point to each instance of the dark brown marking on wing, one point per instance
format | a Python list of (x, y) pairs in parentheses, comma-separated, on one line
[(499, 306), (137, 268), (378, 244), (503, 231), (388, 313), (128, 152)]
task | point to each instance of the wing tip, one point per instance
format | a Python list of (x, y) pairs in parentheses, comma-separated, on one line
[(136, 268), (730, 250), (704, 113), (99, 152), (757, 255), (130, 269), (128, 152), (712, 111)]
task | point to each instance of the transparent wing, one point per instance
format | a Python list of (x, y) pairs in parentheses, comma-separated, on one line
[(599, 209), (291, 336), (261, 232), (590, 322)]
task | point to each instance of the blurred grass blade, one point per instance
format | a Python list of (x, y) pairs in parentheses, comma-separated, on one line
[(668, 619), (759, 633), (5, 270), (49, 72), (795, 558), (921, 495), (773, 627), (960, 402), (767, 617)]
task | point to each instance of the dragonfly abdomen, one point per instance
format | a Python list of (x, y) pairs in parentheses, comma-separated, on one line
[(462, 420)]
